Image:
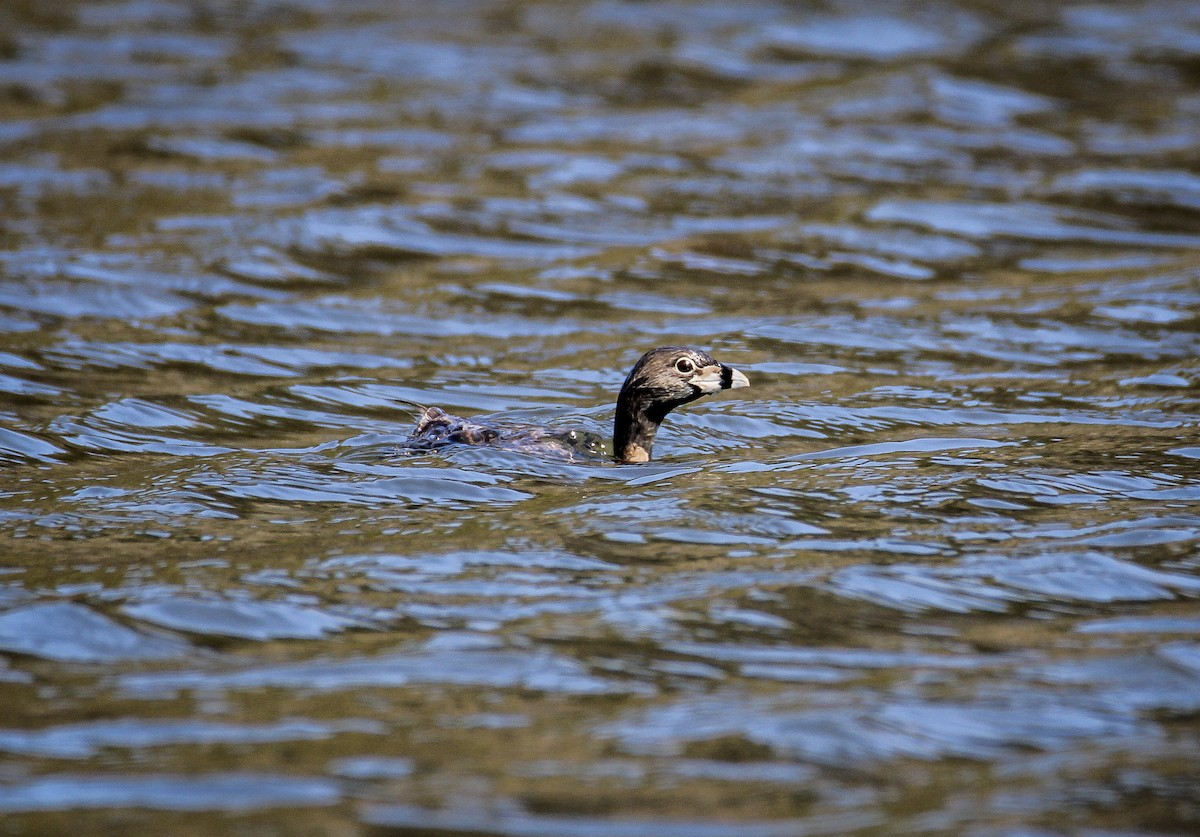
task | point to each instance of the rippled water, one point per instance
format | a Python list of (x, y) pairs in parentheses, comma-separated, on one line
[(935, 572)]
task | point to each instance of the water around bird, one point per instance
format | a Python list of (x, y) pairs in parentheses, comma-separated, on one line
[(935, 572)]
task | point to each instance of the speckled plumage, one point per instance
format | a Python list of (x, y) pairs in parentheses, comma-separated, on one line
[(436, 429)]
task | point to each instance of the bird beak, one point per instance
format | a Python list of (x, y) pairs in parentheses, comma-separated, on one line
[(710, 379), (733, 379)]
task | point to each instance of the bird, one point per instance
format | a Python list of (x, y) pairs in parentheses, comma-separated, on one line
[(663, 379)]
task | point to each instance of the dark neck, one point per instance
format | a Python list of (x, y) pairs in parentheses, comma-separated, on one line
[(634, 427)]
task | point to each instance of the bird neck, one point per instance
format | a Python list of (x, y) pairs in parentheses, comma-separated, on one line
[(634, 428)]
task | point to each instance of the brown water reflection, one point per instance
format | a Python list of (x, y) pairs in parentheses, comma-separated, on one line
[(933, 573)]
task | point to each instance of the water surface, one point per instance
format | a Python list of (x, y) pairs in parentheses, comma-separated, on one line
[(935, 572)]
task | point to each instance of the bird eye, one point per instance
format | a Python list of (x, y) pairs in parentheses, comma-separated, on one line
[(685, 366)]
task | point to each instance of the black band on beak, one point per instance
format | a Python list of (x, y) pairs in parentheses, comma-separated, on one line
[(726, 376)]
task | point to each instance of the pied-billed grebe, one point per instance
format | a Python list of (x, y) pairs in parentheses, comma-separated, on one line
[(665, 378)]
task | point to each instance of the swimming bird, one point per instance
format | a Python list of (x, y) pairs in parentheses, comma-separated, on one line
[(664, 378)]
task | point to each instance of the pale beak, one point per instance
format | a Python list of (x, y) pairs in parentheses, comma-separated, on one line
[(710, 379), (735, 380)]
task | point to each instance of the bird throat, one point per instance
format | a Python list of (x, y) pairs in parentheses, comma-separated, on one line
[(634, 431), (633, 452)]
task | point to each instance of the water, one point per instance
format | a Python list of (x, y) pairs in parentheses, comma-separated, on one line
[(935, 572)]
